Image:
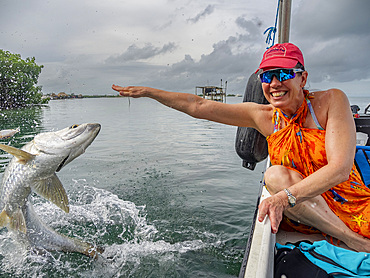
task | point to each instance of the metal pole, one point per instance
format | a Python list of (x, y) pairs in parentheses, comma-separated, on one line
[(284, 20), (280, 17)]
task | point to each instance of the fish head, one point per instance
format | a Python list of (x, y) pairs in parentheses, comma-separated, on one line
[(63, 146)]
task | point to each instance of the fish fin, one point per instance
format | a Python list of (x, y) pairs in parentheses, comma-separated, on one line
[(52, 189), (17, 221), (4, 219), (22, 156)]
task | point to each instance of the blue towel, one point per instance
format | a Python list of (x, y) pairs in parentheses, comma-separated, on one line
[(336, 261)]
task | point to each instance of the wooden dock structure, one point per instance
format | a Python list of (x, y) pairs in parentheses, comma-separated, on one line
[(212, 92)]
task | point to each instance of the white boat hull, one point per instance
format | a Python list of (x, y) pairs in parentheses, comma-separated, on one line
[(258, 261)]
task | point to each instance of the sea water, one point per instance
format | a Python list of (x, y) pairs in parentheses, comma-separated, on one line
[(165, 194)]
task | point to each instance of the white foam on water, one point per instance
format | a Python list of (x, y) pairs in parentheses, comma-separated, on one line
[(99, 217)]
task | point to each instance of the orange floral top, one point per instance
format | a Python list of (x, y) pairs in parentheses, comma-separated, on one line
[(303, 150)]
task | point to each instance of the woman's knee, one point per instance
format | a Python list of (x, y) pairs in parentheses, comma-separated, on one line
[(278, 177)]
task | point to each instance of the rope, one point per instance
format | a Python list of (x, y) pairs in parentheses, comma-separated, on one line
[(271, 31)]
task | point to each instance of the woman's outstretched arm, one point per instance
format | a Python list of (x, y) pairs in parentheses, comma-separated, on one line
[(246, 114)]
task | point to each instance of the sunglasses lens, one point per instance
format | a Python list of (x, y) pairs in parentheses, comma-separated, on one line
[(286, 74), (281, 75), (266, 77)]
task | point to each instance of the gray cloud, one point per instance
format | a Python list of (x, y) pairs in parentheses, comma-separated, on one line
[(332, 19), (248, 25), (87, 46), (334, 38), (135, 53), (232, 60), (207, 11)]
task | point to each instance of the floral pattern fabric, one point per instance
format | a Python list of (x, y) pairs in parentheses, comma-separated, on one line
[(303, 150)]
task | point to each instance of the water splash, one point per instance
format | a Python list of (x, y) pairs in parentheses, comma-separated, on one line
[(99, 217)]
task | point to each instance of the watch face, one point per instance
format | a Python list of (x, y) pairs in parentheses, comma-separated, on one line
[(291, 200)]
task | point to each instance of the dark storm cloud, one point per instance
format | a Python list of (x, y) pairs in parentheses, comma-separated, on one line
[(334, 36), (332, 19)]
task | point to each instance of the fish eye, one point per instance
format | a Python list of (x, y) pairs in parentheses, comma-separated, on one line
[(74, 126)]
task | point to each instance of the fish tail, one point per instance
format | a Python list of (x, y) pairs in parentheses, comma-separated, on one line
[(93, 251), (44, 237), (87, 249)]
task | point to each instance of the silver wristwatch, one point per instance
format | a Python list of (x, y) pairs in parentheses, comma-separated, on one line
[(291, 198)]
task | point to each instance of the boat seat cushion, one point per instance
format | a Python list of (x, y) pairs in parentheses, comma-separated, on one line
[(335, 261), (291, 262), (362, 161)]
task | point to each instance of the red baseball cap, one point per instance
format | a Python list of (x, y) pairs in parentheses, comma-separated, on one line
[(283, 55)]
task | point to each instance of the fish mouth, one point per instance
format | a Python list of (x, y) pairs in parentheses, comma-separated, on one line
[(92, 130), (62, 164), (67, 144)]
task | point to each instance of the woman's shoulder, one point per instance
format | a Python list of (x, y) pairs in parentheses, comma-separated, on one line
[(327, 97), (325, 94), (328, 102)]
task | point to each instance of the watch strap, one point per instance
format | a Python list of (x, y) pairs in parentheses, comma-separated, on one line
[(291, 198)]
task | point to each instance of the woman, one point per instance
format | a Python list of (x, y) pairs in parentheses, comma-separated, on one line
[(313, 179)]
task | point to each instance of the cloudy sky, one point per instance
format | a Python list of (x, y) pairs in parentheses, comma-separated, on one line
[(85, 46)]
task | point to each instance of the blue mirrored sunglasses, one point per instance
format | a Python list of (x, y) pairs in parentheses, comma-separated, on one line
[(281, 74)]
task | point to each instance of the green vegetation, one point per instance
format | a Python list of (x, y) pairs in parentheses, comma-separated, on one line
[(18, 79)]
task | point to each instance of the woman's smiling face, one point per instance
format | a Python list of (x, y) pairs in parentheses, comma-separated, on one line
[(286, 95)]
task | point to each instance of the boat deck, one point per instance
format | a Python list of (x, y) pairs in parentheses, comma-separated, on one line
[(259, 260)]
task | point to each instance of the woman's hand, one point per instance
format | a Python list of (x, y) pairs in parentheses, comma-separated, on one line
[(274, 207), (131, 91)]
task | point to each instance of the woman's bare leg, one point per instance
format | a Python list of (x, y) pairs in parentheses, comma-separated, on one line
[(314, 212)]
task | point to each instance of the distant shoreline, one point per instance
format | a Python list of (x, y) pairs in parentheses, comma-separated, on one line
[(83, 96), (99, 96), (112, 96)]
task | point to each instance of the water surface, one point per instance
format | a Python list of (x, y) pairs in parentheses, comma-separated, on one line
[(164, 193)]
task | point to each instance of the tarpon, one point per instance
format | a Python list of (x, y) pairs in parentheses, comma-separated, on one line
[(33, 168), (7, 133)]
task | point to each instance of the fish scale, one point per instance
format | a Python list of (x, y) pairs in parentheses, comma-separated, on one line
[(15, 174)]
